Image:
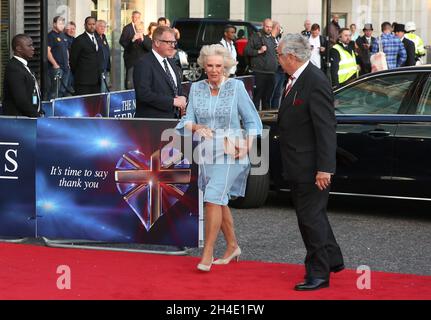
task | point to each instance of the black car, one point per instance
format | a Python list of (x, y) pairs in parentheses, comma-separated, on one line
[(384, 139), (197, 32)]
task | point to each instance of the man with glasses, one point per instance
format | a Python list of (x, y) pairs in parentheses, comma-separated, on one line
[(157, 80)]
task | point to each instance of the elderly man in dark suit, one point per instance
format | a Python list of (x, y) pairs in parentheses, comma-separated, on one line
[(21, 93), (308, 144), (86, 60), (157, 80), (400, 31)]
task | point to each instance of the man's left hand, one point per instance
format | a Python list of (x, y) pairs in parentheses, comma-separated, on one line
[(323, 180)]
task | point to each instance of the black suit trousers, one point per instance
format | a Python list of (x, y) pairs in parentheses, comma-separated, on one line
[(81, 90), (323, 252), (265, 83)]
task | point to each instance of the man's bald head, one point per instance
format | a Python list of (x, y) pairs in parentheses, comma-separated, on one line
[(22, 46), (267, 26), (18, 40)]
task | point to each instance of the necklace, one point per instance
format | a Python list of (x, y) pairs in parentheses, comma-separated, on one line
[(216, 87)]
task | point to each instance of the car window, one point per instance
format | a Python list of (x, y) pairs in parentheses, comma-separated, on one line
[(213, 33), (381, 95), (241, 32), (188, 31), (424, 105)]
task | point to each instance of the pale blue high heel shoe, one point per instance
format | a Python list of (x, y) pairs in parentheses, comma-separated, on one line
[(204, 267), (235, 255)]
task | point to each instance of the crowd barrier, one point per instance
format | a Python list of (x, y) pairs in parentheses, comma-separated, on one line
[(118, 104), (103, 179)]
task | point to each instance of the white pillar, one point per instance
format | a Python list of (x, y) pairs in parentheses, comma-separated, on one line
[(150, 12), (237, 9), (197, 8), (425, 7)]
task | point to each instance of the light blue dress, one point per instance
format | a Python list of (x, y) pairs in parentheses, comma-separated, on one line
[(220, 176)]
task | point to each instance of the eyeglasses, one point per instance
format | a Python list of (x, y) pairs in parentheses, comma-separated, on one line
[(171, 43)]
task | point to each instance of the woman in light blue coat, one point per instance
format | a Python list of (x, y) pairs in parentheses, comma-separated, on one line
[(222, 114)]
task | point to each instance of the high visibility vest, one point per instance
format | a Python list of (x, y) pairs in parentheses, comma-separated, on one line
[(419, 44), (347, 66)]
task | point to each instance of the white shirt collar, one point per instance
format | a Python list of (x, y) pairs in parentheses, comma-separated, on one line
[(298, 72), (23, 61), (91, 35), (158, 56), (171, 70)]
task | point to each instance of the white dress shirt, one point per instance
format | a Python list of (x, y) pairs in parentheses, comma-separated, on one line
[(160, 59), (230, 46), (315, 52), (93, 40), (298, 72)]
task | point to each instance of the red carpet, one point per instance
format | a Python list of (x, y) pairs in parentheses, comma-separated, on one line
[(29, 272)]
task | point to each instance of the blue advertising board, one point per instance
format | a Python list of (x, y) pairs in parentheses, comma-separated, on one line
[(91, 106), (122, 104), (114, 180), (17, 181)]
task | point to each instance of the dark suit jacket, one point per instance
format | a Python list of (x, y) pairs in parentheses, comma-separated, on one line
[(106, 51), (136, 50), (85, 62), (130, 48), (154, 92), (307, 127), (18, 91), (364, 54), (410, 49)]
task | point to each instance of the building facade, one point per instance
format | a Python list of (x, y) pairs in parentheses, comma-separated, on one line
[(18, 16)]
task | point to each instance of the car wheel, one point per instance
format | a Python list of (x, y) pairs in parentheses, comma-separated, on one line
[(194, 73), (256, 192)]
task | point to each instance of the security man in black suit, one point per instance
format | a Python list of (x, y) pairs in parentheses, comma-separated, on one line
[(86, 60), (157, 79), (21, 92), (308, 145), (400, 31)]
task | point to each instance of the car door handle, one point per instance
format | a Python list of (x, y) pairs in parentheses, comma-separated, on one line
[(379, 133)]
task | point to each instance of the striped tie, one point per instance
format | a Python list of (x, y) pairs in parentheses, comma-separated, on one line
[(171, 79), (289, 86)]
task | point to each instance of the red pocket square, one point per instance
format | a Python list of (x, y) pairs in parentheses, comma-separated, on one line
[(298, 102)]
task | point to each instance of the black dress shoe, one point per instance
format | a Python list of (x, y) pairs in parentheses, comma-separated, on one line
[(338, 268), (312, 284)]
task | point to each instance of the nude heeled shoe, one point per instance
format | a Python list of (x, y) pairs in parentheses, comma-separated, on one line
[(235, 255), (204, 267)]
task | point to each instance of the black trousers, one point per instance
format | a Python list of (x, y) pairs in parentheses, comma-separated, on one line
[(323, 251), (81, 90), (265, 83)]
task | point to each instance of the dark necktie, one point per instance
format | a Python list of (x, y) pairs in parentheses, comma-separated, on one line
[(171, 79), (95, 42)]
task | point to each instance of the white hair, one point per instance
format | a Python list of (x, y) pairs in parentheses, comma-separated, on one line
[(297, 45), (217, 50)]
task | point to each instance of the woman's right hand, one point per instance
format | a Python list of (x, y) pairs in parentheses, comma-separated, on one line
[(203, 131)]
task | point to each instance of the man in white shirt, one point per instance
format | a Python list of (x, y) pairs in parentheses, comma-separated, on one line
[(318, 47), (126, 41), (157, 80), (228, 42)]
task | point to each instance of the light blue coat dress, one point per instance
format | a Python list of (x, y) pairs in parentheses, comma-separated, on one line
[(220, 176)]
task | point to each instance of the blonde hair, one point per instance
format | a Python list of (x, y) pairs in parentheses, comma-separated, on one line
[(217, 50)]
